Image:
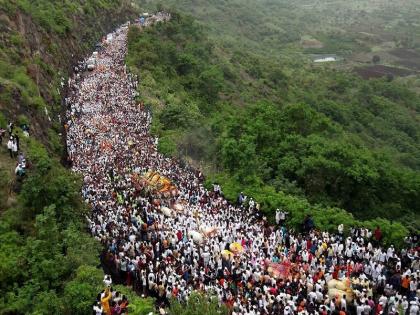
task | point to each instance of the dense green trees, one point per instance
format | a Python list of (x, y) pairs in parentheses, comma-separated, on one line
[(311, 140), (44, 244), (49, 264), (299, 151)]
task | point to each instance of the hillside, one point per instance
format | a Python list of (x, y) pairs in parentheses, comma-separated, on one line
[(228, 88), (40, 42), (372, 38), (49, 264), (301, 138)]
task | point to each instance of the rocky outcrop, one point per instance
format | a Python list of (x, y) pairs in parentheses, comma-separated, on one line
[(42, 57)]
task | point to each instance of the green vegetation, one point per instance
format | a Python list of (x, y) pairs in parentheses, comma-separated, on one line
[(44, 249), (291, 31), (40, 39), (341, 26), (49, 263), (237, 97), (198, 304), (310, 140), (53, 18)]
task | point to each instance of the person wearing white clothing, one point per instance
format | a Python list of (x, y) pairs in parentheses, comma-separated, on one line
[(10, 146), (414, 308), (343, 303), (97, 308)]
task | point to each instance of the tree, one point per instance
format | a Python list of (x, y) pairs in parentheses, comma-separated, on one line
[(80, 292), (211, 83)]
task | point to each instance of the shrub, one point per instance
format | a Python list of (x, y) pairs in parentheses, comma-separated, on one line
[(136, 304), (198, 304), (80, 292), (3, 121), (23, 120), (167, 145)]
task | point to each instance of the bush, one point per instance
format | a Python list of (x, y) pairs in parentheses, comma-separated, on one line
[(26, 83), (136, 304), (3, 121), (38, 156), (80, 292), (198, 304), (55, 142), (23, 120), (167, 145), (4, 187)]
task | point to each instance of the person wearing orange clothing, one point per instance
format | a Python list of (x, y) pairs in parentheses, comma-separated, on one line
[(349, 269), (405, 285), (105, 301), (301, 307), (124, 305), (336, 271)]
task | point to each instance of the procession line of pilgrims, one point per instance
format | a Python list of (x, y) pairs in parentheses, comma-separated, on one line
[(169, 247)]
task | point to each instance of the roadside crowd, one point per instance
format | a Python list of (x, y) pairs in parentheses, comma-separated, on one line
[(110, 301), (168, 247), (13, 146)]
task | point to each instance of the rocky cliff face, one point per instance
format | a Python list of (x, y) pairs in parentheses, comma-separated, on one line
[(39, 43)]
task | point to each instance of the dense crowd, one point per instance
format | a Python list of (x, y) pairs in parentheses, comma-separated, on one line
[(195, 240)]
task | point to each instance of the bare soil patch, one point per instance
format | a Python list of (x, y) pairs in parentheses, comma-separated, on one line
[(410, 64), (379, 71), (407, 58), (311, 43), (405, 54)]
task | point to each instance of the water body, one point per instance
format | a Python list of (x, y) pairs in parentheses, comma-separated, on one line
[(324, 58)]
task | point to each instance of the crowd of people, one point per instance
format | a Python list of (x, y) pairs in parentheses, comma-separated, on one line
[(110, 301), (167, 246), (13, 146)]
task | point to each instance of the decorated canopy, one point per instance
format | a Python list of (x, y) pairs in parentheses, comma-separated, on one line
[(154, 183)]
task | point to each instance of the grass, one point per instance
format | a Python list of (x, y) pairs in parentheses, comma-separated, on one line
[(7, 167)]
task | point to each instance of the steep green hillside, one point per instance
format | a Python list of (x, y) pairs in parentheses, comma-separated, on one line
[(48, 261), (306, 139), (39, 42)]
